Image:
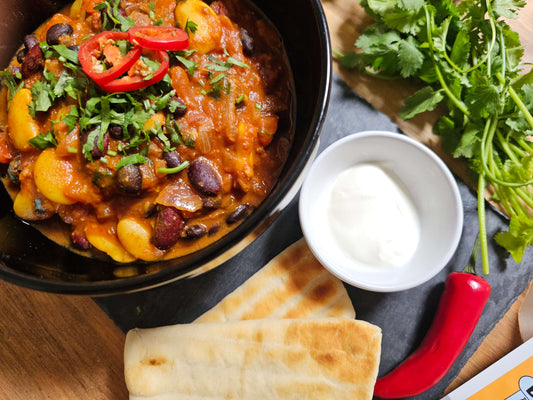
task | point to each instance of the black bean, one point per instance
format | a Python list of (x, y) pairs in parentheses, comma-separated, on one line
[(33, 62), (195, 231), (204, 177), (130, 179), (14, 169), (116, 131), (30, 41), (173, 158), (80, 241), (20, 55), (54, 33), (239, 213), (167, 228), (176, 107), (74, 47), (213, 230), (247, 41)]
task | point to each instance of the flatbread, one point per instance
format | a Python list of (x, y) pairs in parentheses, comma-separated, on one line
[(292, 285), (304, 359)]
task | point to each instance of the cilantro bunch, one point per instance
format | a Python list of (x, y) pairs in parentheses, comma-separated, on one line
[(468, 60)]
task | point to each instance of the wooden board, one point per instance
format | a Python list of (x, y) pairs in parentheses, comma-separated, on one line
[(57, 347)]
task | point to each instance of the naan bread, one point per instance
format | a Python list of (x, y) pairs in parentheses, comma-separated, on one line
[(300, 359), (293, 285)]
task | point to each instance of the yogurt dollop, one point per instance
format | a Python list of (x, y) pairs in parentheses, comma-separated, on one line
[(372, 218)]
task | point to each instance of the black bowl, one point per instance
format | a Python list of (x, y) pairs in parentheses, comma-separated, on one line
[(29, 259)]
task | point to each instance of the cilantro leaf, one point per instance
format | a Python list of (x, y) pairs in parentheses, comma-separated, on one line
[(132, 159), (410, 58), (425, 99), (507, 8), (8, 81), (42, 141)]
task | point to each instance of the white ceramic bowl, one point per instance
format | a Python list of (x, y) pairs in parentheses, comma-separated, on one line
[(425, 179)]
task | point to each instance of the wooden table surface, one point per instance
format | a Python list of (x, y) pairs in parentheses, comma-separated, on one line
[(66, 347)]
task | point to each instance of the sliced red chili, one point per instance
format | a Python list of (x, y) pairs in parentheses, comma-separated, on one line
[(135, 80), (159, 37), (104, 46)]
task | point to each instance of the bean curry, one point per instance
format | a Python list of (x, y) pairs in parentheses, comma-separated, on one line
[(148, 129)]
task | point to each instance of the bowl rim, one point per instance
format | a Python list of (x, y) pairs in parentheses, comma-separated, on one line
[(305, 200), (248, 227)]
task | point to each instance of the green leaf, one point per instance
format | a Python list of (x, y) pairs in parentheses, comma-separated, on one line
[(469, 142), (42, 141), (517, 238), (426, 99), (411, 4), (8, 81), (66, 53), (460, 53), (132, 159), (189, 64), (483, 100), (507, 8), (409, 22), (410, 58), (42, 96)]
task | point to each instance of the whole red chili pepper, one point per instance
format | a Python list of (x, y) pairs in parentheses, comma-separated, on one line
[(460, 307)]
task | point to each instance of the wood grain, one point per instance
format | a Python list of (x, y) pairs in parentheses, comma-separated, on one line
[(58, 347)]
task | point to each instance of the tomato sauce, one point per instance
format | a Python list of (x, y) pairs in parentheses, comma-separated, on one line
[(150, 173)]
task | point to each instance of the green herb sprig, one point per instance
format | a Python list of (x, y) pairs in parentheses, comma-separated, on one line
[(469, 60)]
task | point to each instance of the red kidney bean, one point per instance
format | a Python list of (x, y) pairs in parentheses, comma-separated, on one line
[(167, 228), (33, 62), (80, 241), (204, 177)]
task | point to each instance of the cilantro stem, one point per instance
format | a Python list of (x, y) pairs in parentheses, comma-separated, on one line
[(174, 170), (482, 223), (519, 103)]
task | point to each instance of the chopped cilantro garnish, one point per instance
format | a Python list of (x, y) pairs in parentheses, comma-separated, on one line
[(42, 141), (151, 14), (38, 206), (217, 79), (190, 27), (112, 18), (174, 170), (132, 159), (9, 81), (189, 64)]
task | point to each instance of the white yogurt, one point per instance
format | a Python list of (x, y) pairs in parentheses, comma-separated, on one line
[(372, 218)]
